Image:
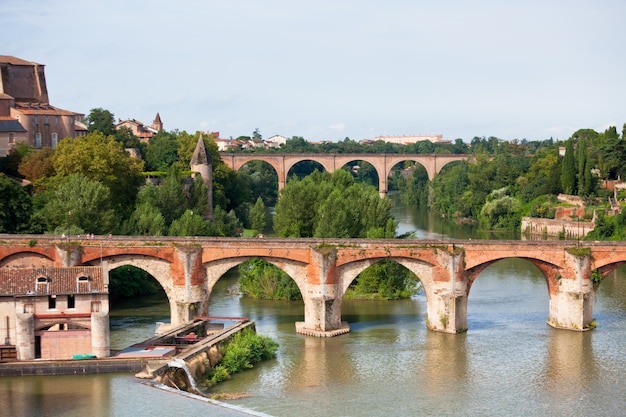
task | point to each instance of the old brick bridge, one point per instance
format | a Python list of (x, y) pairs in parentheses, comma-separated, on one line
[(188, 268), (383, 163)]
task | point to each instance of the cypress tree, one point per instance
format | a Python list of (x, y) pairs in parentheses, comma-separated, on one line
[(568, 172)]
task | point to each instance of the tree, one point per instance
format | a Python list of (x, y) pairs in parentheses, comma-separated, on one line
[(38, 165), (568, 172), (80, 204), (127, 138), (325, 205), (260, 279), (257, 216), (386, 280), (190, 224), (161, 152), (225, 223), (9, 164), (15, 206), (501, 211), (168, 197), (101, 120), (101, 158), (146, 220)]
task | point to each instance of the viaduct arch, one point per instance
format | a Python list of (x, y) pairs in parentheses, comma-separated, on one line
[(383, 163), (188, 269)]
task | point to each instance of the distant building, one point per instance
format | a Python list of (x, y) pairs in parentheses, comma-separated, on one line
[(276, 141), (143, 132), (409, 139), (25, 112)]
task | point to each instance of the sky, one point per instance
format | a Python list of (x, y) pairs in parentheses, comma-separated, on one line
[(327, 70)]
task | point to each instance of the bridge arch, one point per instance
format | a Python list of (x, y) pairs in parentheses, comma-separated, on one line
[(216, 270), (422, 270), (158, 268), (27, 258), (551, 272)]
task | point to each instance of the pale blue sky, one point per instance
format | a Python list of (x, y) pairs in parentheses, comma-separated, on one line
[(326, 70)]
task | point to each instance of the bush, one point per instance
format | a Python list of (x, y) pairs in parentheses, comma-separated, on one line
[(242, 351)]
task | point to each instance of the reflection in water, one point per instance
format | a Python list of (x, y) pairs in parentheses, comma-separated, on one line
[(67, 395), (447, 362)]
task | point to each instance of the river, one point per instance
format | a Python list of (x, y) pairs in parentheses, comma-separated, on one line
[(509, 363)]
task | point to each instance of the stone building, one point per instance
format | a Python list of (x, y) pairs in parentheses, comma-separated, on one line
[(54, 313), (142, 131), (26, 114)]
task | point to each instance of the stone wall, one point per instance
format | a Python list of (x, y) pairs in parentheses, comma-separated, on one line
[(554, 227)]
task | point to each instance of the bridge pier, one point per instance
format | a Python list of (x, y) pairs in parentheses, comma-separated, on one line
[(571, 304), (189, 295), (447, 298), (322, 301)]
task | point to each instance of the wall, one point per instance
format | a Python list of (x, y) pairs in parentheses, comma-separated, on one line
[(63, 344), (553, 227)]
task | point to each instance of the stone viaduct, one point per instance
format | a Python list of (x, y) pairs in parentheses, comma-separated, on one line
[(188, 268), (383, 163)]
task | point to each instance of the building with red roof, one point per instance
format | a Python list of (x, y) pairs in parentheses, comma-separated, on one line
[(26, 114)]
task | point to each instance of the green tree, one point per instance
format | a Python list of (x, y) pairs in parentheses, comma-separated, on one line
[(127, 138), (15, 206), (386, 280), (10, 164), (501, 211), (260, 279), (568, 173), (101, 158), (162, 152), (257, 216), (79, 203), (168, 197), (190, 224), (101, 120), (146, 220), (225, 223)]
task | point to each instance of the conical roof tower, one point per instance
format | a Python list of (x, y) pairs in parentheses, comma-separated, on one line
[(202, 164)]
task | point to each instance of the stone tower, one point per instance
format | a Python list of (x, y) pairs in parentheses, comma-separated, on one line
[(201, 163), (157, 123)]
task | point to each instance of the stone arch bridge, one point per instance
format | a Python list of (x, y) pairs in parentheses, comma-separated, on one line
[(383, 163), (188, 269)]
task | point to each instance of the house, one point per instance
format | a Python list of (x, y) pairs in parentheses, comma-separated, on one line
[(25, 112), (54, 313), (142, 131), (276, 141)]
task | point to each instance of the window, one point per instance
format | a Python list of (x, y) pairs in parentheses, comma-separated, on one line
[(11, 138), (83, 284), (71, 301), (55, 139), (38, 140), (45, 120), (36, 119), (42, 285), (52, 302)]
